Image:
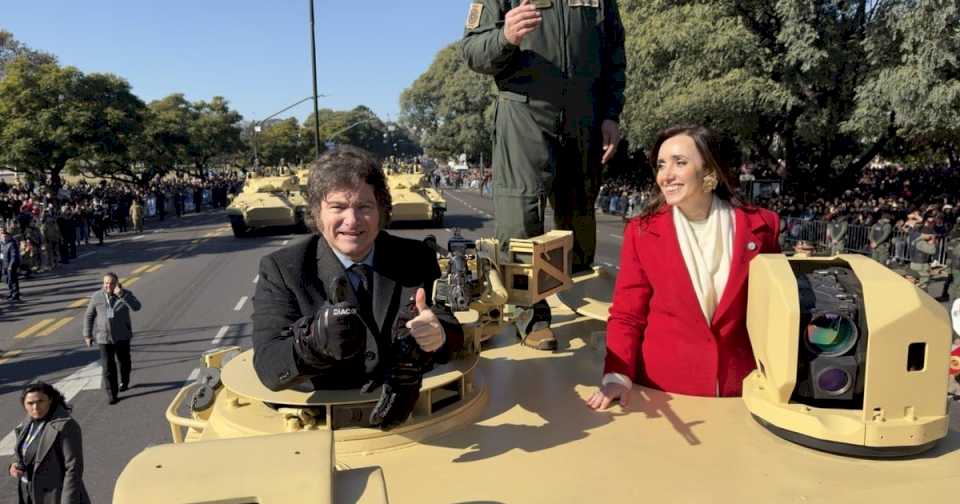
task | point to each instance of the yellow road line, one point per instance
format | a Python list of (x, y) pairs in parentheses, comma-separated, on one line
[(50, 330), (34, 328), (80, 303), (129, 281), (155, 267), (6, 356), (195, 241), (141, 269)]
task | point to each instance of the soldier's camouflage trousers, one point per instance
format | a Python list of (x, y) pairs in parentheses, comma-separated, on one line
[(540, 154)]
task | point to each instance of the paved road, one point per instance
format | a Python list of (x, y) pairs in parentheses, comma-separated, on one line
[(195, 281)]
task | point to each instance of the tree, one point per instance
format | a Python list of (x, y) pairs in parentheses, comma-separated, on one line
[(117, 119), (153, 151), (359, 127), (917, 90), (284, 141), (213, 133), (450, 108), (51, 115), (10, 48), (791, 80)]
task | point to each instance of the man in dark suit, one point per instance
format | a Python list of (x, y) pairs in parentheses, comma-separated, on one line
[(308, 335)]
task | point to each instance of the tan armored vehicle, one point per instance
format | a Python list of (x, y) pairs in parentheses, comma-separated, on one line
[(503, 423), (415, 201), (268, 202)]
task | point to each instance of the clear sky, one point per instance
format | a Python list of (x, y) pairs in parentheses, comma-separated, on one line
[(254, 53)]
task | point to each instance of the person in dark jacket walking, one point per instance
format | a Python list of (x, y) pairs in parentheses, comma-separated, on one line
[(10, 264), (49, 450), (107, 323)]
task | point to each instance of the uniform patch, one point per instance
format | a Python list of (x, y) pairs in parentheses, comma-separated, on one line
[(584, 3), (542, 4), (473, 19)]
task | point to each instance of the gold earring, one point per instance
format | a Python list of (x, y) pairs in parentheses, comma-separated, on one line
[(709, 183)]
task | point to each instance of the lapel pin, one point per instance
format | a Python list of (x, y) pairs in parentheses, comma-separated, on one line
[(751, 246)]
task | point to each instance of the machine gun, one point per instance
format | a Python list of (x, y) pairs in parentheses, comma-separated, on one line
[(497, 283)]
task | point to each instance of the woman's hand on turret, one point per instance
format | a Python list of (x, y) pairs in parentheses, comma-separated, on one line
[(601, 399)]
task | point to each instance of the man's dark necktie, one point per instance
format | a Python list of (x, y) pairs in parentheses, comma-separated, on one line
[(366, 280)]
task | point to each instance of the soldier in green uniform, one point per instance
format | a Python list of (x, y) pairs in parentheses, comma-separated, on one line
[(837, 234), (560, 70), (880, 234)]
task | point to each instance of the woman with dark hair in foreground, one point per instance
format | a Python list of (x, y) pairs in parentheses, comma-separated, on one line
[(49, 450), (678, 319)]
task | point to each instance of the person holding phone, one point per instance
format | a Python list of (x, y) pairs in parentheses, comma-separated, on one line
[(107, 323)]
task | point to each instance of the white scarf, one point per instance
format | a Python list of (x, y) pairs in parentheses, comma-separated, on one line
[(707, 249)]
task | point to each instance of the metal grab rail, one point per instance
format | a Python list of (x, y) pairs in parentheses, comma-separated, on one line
[(177, 422)]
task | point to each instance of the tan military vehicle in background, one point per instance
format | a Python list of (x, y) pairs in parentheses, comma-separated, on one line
[(413, 200), (503, 423), (268, 201)]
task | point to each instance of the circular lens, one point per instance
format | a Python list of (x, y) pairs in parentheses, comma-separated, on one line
[(831, 334), (833, 381)]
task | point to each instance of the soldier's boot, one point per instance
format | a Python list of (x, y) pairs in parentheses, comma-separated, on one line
[(533, 327)]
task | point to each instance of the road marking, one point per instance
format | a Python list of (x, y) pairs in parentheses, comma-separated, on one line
[(256, 278), (53, 328), (78, 303), (193, 375), (284, 242), (87, 377), (130, 280), (240, 303), (7, 356), (220, 334), (81, 256), (155, 267), (195, 241), (190, 248), (137, 237), (34, 328), (141, 269)]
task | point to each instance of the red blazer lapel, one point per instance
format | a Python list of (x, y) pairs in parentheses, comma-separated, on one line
[(746, 245), (670, 259)]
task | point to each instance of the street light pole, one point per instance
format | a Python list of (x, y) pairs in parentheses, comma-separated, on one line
[(313, 62)]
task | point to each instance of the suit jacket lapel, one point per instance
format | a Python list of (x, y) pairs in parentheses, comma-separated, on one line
[(746, 246)]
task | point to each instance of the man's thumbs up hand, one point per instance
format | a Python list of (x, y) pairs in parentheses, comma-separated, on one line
[(425, 327)]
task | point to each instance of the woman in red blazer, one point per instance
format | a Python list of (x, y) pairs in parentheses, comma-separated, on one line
[(678, 319)]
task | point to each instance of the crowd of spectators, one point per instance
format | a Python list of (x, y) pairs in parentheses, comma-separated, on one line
[(51, 227)]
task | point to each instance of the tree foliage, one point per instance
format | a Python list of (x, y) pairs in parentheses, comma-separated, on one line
[(819, 87), (916, 90), (10, 48), (284, 141), (50, 116), (362, 128), (450, 108)]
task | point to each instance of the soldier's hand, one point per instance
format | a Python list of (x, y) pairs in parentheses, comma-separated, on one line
[(611, 138), (520, 21), (425, 327)]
